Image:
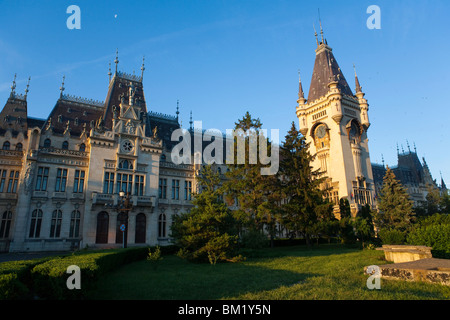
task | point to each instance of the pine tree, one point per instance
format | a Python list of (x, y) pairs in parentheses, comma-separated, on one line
[(301, 186), (395, 209), (208, 231), (253, 191)]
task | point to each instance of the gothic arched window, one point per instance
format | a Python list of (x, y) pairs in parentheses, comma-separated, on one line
[(47, 143), (6, 145)]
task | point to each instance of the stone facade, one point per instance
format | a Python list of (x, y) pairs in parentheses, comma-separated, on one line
[(335, 123), (61, 177)]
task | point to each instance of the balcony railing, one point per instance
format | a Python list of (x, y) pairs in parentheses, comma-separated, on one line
[(63, 152)]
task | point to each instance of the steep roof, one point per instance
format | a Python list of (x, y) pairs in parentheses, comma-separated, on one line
[(326, 70), (75, 113), (118, 87)]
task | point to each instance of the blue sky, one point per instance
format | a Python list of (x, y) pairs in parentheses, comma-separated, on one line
[(221, 58)]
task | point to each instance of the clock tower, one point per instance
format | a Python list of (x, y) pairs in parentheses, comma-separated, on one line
[(335, 123)]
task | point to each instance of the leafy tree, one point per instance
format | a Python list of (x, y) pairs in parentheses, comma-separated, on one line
[(301, 186), (395, 209), (207, 232)]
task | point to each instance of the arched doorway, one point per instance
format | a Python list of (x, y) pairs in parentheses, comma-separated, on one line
[(102, 227), (141, 225), (122, 218)]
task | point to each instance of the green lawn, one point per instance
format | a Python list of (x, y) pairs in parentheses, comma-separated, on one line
[(328, 272)]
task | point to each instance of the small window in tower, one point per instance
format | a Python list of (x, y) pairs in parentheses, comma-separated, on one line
[(65, 145), (6, 145), (47, 143)]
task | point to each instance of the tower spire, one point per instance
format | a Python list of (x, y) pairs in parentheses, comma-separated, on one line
[(109, 72), (315, 35), (13, 86), (321, 29), (178, 108), (142, 68), (117, 58), (27, 89), (62, 87), (301, 95), (357, 85)]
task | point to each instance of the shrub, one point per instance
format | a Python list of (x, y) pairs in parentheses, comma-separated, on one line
[(392, 236), (49, 278), (254, 239), (436, 236)]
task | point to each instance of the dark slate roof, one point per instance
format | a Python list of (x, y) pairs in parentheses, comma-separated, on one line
[(78, 113), (326, 69), (14, 114), (119, 85), (165, 124)]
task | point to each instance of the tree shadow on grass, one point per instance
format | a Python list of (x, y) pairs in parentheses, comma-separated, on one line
[(176, 279)]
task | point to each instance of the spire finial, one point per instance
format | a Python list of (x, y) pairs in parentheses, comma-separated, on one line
[(382, 159), (109, 72), (301, 95), (142, 68), (407, 143), (117, 58), (357, 85), (398, 150), (62, 87), (190, 121), (415, 149), (178, 108), (315, 34), (28, 86), (321, 30), (13, 86)]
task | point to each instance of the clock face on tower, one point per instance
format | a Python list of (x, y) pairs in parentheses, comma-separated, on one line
[(321, 131)]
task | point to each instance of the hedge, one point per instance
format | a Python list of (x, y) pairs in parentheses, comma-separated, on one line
[(15, 278), (46, 278), (435, 236)]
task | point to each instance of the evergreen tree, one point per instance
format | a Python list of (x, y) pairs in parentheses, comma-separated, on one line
[(300, 185), (208, 231), (395, 209), (254, 192)]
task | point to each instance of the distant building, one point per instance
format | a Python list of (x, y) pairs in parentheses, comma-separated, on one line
[(414, 175)]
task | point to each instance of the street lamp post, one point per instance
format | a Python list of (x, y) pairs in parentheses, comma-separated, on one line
[(124, 205)]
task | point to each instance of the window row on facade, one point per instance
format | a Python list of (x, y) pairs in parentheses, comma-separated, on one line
[(56, 223), (175, 189), (61, 180)]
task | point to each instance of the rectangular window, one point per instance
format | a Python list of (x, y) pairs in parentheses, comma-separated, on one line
[(124, 182), (139, 185), (163, 188), (3, 179), (108, 183), (13, 181), (42, 179), (176, 189), (78, 182), (61, 180), (188, 190)]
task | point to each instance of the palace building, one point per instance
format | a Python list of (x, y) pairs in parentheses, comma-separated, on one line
[(73, 179), (335, 123)]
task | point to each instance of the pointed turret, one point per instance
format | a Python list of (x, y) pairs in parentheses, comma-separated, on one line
[(326, 70), (301, 96)]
